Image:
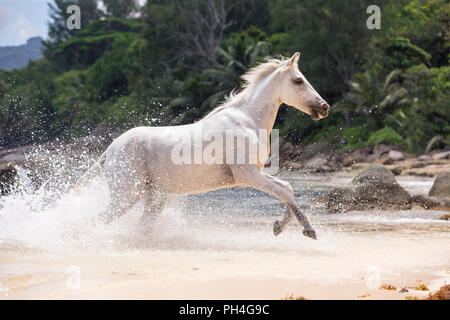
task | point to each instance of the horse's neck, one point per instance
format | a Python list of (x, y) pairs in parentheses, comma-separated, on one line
[(262, 103)]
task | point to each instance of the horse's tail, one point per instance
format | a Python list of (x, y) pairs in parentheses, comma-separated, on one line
[(91, 173)]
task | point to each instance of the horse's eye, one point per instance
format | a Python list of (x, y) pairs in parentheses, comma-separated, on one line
[(298, 80)]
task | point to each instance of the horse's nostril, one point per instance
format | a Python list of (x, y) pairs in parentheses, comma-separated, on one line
[(325, 107)]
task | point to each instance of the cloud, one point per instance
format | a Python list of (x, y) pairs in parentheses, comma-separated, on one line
[(24, 27), (4, 16)]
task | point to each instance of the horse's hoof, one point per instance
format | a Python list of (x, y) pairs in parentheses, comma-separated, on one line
[(309, 232), (277, 228)]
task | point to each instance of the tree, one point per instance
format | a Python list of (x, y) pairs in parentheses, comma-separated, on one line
[(402, 54), (424, 22), (190, 31), (237, 53), (332, 37), (373, 98), (26, 112), (425, 119), (57, 29), (205, 29), (120, 8)]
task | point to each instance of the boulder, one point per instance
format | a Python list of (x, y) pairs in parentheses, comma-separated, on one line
[(396, 170), (373, 188), (315, 162), (292, 165), (396, 155), (7, 178), (383, 150), (385, 160), (428, 168), (348, 161), (353, 156), (424, 157), (426, 202), (320, 164), (441, 186), (441, 155), (289, 151)]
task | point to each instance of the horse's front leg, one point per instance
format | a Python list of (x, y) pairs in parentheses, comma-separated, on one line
[(251, 176), (279, 226)]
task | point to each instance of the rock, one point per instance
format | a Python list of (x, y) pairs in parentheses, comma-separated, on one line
[(374, 174), (441, 155), (315, 162), (445, 217), (7, 178), (396, 171), (292, 165), (289, 151), (419, 165), (424, 157), (348, 161), (441, 186), (357, 155), (320, 164), (428, 168), (373, 188), (383, 150), (385, 160), (396, 155), (426, 202)]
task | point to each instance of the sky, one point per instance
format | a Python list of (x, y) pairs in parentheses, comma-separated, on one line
[(21, 20)]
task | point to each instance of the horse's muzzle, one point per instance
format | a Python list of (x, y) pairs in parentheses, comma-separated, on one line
[(319, 112)]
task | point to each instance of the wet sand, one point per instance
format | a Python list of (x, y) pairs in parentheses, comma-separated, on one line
[(197, 253)]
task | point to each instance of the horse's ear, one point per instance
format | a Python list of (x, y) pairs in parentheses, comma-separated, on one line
[(294, 59)]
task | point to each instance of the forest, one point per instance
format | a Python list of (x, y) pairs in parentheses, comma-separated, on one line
[(170, 62)]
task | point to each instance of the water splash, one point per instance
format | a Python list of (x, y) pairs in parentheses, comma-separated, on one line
[(51, 217)]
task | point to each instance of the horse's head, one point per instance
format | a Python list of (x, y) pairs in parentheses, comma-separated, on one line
[(297, 92)]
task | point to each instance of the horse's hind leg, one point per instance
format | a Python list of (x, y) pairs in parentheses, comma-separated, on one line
[(118, 206), (126, 186), (154, 204)]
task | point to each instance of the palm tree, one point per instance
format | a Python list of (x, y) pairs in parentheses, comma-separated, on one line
[(233, 59), (373, 98), (233, 62)]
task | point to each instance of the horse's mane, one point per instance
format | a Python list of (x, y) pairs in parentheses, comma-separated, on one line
[(251, 78)]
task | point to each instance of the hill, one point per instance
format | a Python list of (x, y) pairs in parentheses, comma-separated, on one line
[(16, 57)]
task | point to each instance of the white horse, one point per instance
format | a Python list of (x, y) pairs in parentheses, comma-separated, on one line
[(140, 163)]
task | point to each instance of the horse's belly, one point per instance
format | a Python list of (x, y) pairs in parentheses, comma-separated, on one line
[(191, 178)]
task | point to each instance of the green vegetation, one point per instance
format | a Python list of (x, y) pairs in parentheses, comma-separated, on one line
[(388, 136), (170, 62)]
